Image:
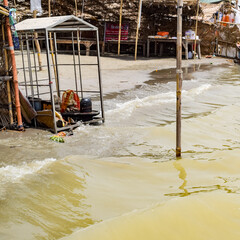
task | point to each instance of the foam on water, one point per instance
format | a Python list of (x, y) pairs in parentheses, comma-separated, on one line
[(126, 109), (14, 173)]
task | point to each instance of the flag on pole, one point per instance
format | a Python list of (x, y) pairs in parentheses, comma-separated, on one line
[(36, 6), (140, 14)]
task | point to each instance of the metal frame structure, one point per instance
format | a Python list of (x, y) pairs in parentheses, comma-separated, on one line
[(47, 30)]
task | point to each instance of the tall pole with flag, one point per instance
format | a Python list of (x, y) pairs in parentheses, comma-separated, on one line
[(179, 79)]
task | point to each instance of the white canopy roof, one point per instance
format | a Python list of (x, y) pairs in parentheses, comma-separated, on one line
[(67, 23)]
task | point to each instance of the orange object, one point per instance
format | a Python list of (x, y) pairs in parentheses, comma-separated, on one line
[(14, 69), (163, 34), (226, 18), (70, 98), (62, 134)]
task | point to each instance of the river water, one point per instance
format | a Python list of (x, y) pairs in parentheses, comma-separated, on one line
[(122, 180)]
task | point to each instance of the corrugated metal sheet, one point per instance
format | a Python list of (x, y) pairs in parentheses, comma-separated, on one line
[(52, 22)]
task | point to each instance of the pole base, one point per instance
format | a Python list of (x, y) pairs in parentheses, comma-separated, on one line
[(178, 152)]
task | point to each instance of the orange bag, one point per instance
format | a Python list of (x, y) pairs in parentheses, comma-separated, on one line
[(67, 99), (163, 34)]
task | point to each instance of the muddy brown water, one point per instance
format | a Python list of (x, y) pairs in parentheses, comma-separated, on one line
[(122, 180)]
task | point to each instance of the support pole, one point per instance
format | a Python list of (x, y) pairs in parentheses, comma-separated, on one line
[(8, 83), (82, 9), (79, 61), (100, 76), (14, 69), (179, 78), (49, 8), (138, 26), (120, 28), (50, 82), (52, 54), (76, 8), (196, 29), (37, 44)]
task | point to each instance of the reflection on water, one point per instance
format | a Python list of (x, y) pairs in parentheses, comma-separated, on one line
[(50, 190), (182, 176)]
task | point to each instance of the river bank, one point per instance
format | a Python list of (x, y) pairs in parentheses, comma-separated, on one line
[(125, 171)]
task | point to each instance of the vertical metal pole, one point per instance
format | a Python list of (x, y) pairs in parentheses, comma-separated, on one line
[(30, 68), (37, 44), (79, 62), (74, 63), (100, 76), (23, 63), (35, 65), (138, 26), (50, 82), (179, 78), (30, 74), (120, 28), (56, 64)]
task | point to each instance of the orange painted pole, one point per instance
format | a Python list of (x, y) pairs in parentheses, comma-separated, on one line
[(14, 69)]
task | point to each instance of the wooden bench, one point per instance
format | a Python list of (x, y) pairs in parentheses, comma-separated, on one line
[(127, 42), (86, 43), (185, 43)]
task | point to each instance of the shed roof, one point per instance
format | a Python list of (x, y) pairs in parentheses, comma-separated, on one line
[(54, 23)]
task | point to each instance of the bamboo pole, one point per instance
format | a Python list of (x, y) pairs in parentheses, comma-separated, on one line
[(4, 10), (179, 79), (49, 8), (52, 54), (76, 8), (82, 9), (7, 73), (120, 28), (196, 29), (4, 13), (37, 44), (14, 70), (138, 26)]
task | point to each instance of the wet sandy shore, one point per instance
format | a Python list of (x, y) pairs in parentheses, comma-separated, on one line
[(124, 72), (118, 73)]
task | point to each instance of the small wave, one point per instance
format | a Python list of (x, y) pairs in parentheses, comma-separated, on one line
[(15, 173), (199, 90), (125, 110)]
